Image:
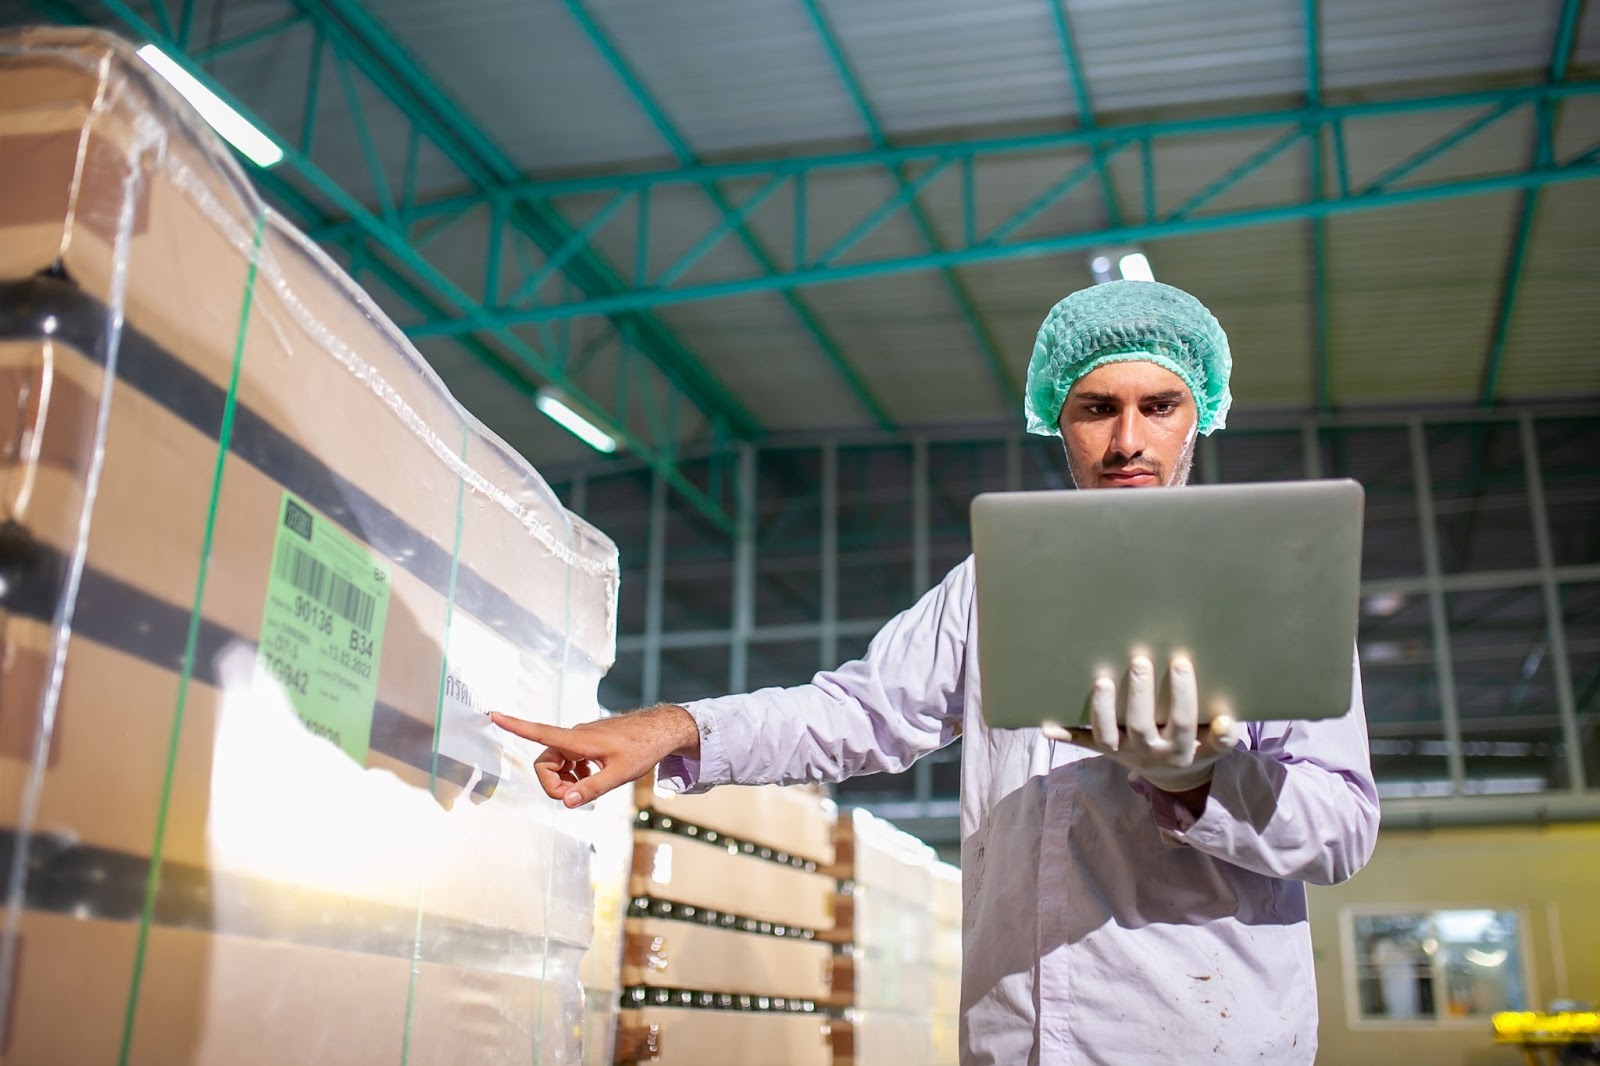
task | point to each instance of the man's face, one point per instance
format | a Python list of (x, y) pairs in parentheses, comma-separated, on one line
[(1129, 425)]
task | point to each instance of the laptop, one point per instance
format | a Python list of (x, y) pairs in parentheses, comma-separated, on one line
[(1258, 584)]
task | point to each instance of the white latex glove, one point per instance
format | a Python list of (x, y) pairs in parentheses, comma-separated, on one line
[(1175, 756)]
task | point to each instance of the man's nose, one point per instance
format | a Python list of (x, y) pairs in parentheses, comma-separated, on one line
[(1128, 438)]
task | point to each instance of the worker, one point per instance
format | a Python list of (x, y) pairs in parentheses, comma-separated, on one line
[(1133, 894)]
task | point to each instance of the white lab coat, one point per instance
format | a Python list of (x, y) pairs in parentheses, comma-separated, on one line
[(1102, 923)]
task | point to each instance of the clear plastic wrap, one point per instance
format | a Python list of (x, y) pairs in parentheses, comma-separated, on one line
[(261, 576), (947, 907), (893, 907)]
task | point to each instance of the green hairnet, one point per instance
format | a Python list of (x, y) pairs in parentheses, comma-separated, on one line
[(1127, 321)]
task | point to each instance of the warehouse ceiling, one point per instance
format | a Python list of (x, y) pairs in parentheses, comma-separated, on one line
[(719, 220)]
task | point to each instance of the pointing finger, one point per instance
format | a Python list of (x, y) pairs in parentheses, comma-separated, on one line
[(568, 741)]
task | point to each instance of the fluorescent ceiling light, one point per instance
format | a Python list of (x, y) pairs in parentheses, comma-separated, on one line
[(555, 408), (234, 127), (1135, 267), (1120, 262)]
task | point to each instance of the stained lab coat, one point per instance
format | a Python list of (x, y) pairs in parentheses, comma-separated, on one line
[(1103, 923)]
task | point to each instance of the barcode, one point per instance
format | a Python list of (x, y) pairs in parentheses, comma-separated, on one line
[(312, 577)]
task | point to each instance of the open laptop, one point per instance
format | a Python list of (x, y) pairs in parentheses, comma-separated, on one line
[(1257, 583)]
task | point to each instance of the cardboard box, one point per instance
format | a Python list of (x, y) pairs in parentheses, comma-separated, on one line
[(946, 952), (675, 868), (189, 384), (946, 1040), (874, 853), (946, 992), (205, 999), (147, 533), (167, 231), (794, 821), (947, 895), (882, 1037), (669, 1036), (249, 791), (661, 953), (874, 980), (146, 537), (886, 923)]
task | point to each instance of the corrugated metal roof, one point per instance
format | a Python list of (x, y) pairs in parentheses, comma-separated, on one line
[(1413, 294), (756, 346), (914, 350), (1412, 290), (1384, 43), (932, 64), (529, 76), (741, 75), (1375, 147), (1258, 284), (1149, 53), (1554, 345), (732, 74)]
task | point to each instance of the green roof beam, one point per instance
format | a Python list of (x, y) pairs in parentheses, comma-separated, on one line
[(1051, 245), (959, 293), (685, 155), (1321, 343), (395, 73), (1080, 91), (1540, 157), (446, 295)]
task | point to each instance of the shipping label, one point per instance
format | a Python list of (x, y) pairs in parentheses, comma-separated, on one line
[(322, 629)]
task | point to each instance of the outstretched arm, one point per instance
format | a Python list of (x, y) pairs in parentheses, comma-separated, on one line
[(878, 714)]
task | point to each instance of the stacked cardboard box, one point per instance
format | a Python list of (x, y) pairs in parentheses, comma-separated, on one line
[(888, 987), (723, 960), (946, 963), (260, 578), (601, 971)]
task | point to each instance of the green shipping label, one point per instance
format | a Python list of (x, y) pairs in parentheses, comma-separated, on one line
[(322, 630)]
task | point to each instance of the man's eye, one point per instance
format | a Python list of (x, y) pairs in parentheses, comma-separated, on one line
[(1163, 408)]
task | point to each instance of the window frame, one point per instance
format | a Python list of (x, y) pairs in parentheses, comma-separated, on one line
[(1352, 984)]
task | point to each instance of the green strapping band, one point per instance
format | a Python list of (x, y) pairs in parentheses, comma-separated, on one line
[(224, 437)]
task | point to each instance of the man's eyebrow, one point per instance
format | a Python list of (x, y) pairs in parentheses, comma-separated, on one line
[(1169, 396)]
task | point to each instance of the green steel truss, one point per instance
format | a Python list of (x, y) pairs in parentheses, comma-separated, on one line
[(1540, 155), (998, 367), (661, 393), (961, 162), (543, 277)]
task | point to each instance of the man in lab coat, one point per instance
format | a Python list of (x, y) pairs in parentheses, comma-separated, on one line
[(1133, 895)]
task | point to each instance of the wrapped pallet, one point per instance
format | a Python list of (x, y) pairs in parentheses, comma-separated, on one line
[(725, 961), (601, 971), (947, 906), (261, 578), (886, 932)]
